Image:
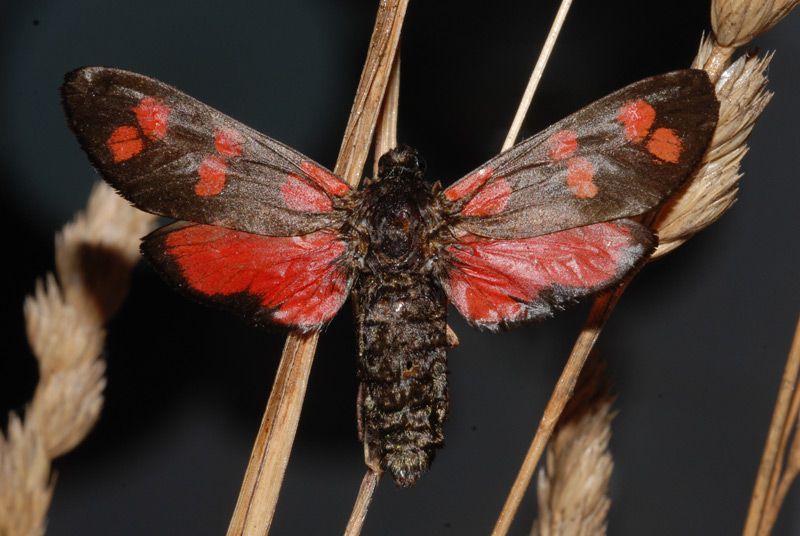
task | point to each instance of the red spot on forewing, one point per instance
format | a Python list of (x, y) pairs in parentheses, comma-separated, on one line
[(125, 143), (152, 115), (212, 171), (666, 145), (580, 172), (297, 278), (491, 199), (301, 196), (466, 186), (636, 117), (493, 281), (562, 144), (228, 142), (325, 179)]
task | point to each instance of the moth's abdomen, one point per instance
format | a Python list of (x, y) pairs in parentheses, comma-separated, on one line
[(403, 371)]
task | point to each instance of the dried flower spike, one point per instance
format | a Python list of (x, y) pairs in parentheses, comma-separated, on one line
[(64, 320), (572, 488), (737, 22), (261, 486), (25, 486)]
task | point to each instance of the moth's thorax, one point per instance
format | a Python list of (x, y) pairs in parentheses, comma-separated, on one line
[(395, 229), (396, 213)]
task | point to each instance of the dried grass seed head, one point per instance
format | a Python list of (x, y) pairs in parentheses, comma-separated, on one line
[(741, 90), (572, 488), (64, 323), (95, 252), (25, 485), (737, 22)]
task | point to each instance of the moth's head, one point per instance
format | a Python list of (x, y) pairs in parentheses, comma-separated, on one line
[(401, 161)]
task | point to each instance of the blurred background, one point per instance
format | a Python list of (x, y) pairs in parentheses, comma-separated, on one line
[(695, 349)]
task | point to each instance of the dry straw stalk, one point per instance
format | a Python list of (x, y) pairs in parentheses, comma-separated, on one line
[(385, 139), (774, 477), (264, 475), (64, 320), (536, 75), (741, 91)]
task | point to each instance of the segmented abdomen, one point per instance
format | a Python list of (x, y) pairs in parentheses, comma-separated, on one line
[(402, 366)]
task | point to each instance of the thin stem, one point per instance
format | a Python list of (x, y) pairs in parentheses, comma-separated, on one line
[(718, 61), (386, 134), (262, 481), (788, 426), (261, 486), (601, 310), (774, 506), (770, 465), (368, 485), (536, 75), (371, 89), (385, 139)]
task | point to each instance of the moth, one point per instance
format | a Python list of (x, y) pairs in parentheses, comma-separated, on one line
[(268, 233)]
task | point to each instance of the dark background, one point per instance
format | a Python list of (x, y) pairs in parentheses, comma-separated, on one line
[(696, 348)]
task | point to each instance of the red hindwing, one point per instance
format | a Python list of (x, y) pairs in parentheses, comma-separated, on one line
[(495, 283), (298, 281)]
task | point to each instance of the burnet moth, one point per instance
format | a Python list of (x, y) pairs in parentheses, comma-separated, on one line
[(277, 238)]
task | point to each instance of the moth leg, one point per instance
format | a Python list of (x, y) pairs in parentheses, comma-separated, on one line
[(359, 415), (452, 338), (371, 458)]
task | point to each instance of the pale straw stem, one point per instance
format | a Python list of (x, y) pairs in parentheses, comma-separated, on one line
[(536, 75), (264, 475), (385, 139), (368, 485), (771, 459), (601, 310)]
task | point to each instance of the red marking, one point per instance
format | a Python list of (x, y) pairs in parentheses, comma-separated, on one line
[(467, 186), (562, 144), (297, 277), (152, 116), (228, 142), (666, 145), (636, 117), (490, 200), (212, 171), (580, 172), (325, 179), (125, 143), (301, 196), (492, 280)]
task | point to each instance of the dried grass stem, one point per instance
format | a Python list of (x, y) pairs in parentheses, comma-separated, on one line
[(536, 75), (264, 475), (770, 489), (365, 492), (385, 139), (599, 314), (712, 190)]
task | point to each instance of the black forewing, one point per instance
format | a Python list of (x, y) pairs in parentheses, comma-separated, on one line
[(172, 155), (544, 184)]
